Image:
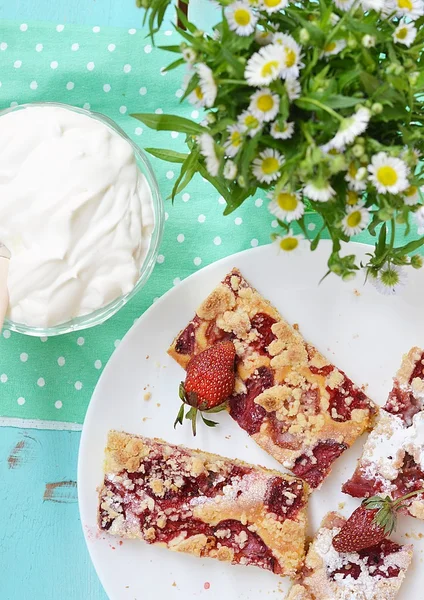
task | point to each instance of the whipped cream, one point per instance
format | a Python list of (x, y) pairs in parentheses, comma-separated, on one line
[(75, 212)]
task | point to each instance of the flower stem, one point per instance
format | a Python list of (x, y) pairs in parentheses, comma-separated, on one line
[(327, 109), (234, 81)]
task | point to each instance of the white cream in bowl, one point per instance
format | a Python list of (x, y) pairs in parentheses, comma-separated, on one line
[(75, 211)]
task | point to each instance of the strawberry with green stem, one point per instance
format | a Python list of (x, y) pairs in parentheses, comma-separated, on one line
[(209, 382), (371, 523)]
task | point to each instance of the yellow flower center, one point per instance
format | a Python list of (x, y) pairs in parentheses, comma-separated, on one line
[(288, 244), (270, 165), (352, 170), (286, 201), (198, 92), (251, 122), (411, 191), (405, 4), (236, 138), (387, 176), (354, 218), (265, 103), (330, 47), (352, 198), (272, 3), (402, 33), (290, 57), (242, 17), (269, 68)]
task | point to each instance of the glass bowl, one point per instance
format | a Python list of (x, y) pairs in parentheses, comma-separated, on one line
[(102, 314)]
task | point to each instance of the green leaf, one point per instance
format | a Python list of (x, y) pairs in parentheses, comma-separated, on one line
[(339, 101), (381, 244), (175, 64), (188, 169), (410, 247), (168, 155), (371, 84), (218, 185), (180, 416), (217, 409), (237, 199), (176, 49), (183, 19), (169, 123), (249, 152)]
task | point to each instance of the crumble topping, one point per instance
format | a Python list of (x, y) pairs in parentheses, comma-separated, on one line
[(196, 502), (220, 300)]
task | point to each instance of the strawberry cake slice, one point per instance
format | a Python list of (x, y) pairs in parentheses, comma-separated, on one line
[(203, 504), (289, 398), (375, 573), (392, 462)]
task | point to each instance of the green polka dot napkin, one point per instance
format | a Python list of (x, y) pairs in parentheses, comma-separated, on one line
[(116, 72)]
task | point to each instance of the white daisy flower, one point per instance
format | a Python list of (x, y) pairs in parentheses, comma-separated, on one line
[(419, 218), (411, 195), (334, 47), (241, 18), (293, 88), (376, 5), (272, 6), (230, 170), (334, 19), (388, 174), (352, 198), (263, 38), (207, 149), (197, 97), (288, 242), (350, 128), (356, 178), (286, 205), (282, 132), (344, 4), (189, 55), (292, 54), (265, 65), (405, 33), (355, 220), (249, 123), (389, 280), (414, 9), (266, 166), (320, 191), (207, 84), (234, 141), (264, 104)]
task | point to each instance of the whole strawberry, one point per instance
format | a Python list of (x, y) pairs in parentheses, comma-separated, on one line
[(209, 382), (370, 524)]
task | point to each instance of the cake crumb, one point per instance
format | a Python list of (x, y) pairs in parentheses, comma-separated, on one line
[(158, 404), (357, 292), (228, 437), (147, 396), (147, 357), (174, 584), (145, 419), (414, 536), (342, 505), (206, 585)]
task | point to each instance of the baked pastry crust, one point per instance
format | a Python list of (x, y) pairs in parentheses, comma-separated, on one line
[(203, 504), (392, 461), (295, 404), (373, 574)]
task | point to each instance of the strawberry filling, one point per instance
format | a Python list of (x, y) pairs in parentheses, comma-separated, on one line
[(344, 398), (262, 323), (410, 479), (243, 408), (284, 498), (186, 341), (360, 486), (374, 560), (314, 468), (403, 404)]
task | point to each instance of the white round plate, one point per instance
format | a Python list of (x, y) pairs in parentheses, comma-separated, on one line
[(363, 332)]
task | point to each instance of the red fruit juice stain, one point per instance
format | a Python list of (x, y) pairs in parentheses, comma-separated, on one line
[(206, 585)]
